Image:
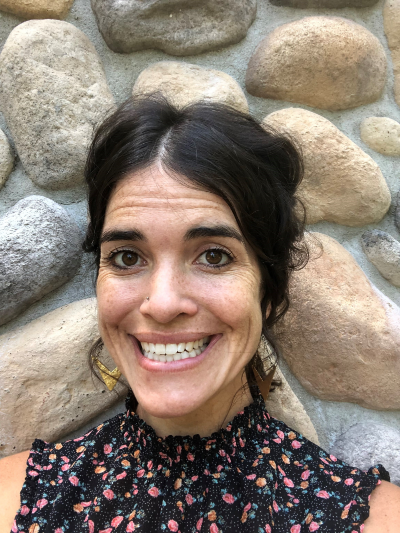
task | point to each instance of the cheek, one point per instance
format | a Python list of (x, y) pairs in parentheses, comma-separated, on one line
[(115, 300), (235, 302)]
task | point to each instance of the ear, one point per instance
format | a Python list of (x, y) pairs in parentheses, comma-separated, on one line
[(268, 311)]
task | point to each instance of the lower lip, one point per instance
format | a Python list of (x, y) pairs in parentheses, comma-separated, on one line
[(172, 366)]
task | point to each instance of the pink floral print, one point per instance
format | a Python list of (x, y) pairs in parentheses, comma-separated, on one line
[(255, 476)]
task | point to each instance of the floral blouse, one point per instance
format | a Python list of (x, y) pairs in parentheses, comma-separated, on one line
[(256, 476)]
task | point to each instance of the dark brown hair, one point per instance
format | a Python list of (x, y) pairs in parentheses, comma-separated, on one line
[(215, 148)]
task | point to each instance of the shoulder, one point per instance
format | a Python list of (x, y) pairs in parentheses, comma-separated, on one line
[(12, 476), (384, 509)]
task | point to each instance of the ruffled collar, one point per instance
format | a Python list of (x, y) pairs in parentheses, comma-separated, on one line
[(240, 432)]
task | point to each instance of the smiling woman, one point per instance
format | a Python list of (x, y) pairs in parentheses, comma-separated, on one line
[(194, 226)]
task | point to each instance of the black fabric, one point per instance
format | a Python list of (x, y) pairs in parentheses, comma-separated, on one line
[(256, 475)]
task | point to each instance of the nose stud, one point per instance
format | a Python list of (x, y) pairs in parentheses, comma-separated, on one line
[(147, 298)]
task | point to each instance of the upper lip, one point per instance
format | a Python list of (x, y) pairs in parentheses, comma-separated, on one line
[(170, 338)]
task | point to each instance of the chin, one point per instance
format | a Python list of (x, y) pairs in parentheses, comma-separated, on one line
[(163, 406)]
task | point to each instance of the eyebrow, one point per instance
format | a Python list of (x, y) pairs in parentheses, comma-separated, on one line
[(214, 231), (198, 232), (121, 235)]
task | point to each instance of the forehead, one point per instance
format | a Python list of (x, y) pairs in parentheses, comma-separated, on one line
[(152, 192)]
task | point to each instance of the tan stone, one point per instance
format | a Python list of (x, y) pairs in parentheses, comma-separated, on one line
[(382, 134), (184, 83), (284, 405), (46, 387), (326, 62), (53, 93), (341, 183), (341, 335), (391, 22), (37, 9)]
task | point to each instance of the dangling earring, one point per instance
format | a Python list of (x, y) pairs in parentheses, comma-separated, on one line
[(110, 378), (265, 384)]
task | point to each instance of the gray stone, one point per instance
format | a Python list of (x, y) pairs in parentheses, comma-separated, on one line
[(365, 445), (323, 4), (384, 252), (46, 388), (53, 92), (6, 158), (397, 212), (176, 27), (40, 249), (326, 62)]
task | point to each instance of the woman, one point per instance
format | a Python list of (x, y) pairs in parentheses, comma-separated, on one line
[(194, 230)]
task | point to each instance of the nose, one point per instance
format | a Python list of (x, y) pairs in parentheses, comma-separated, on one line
[(168, 295)]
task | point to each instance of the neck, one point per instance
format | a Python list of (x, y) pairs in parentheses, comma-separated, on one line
[(211, 416)]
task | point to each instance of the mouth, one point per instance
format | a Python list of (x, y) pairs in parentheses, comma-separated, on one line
[(166, 353)]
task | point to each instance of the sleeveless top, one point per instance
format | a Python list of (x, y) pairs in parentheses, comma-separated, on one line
[(256, 476)]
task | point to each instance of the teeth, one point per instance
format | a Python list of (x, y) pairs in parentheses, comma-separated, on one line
[(189, 346), (166, 353), (171, 348), (160, 349)]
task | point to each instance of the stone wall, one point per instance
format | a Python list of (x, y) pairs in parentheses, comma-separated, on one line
[(325, 71)]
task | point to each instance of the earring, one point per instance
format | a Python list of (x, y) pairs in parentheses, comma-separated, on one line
[(265, 351), (264, 384), (110, 378)]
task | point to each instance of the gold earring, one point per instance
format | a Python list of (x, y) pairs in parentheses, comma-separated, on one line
[(110, 378), (264, 384)]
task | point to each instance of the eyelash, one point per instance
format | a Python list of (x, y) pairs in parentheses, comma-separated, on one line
[(231, 258)]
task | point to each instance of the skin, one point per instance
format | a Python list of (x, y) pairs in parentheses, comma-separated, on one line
[(188, 299)]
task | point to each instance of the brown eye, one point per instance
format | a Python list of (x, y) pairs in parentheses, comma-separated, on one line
[(214, 257), (126, 259)]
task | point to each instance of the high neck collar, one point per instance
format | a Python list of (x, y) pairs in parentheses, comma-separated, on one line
[(252, 419)]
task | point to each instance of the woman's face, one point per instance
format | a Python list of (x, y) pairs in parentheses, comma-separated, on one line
[(178, 293)]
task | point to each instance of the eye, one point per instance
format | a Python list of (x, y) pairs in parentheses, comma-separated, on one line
[(126, 258), (215, 258)]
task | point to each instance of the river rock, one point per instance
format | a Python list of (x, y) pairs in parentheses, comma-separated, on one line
[(341, 183), (391, 22), (53, 92), (6, 158), (37, 9), (382, 134), (341, 335), (384, 252), (326, 62), (177, 27), (47, 389), (323, 4), (283, 404), (40, 250), (379, 444), (397, 212), (184, 83)]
